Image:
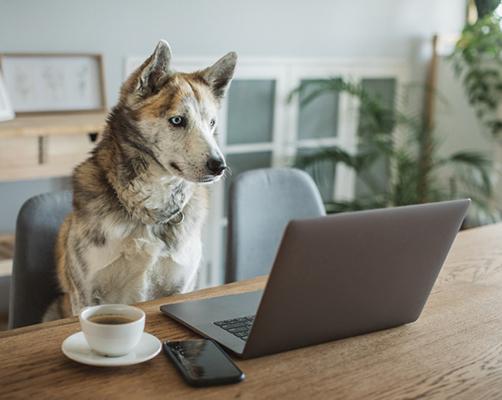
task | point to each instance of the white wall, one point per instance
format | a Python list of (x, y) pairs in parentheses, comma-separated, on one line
[(455, 119), (331, 28), (292, 28)]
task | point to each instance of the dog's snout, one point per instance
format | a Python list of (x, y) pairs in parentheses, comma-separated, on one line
[(216, 165)]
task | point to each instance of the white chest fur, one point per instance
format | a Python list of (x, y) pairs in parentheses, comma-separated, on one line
[(136, 265)]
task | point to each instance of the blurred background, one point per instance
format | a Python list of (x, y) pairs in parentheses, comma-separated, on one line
[(384, 103)]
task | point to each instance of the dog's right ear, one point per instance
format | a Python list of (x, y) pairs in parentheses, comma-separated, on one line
[(154, 71)]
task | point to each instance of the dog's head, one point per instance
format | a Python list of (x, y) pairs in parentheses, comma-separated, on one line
[(177, 113)]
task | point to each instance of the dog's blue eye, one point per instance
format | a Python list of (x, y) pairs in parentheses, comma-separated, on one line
[(177, 120)]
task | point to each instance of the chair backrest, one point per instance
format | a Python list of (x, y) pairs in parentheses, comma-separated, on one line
[(34, 285), (261, 204)]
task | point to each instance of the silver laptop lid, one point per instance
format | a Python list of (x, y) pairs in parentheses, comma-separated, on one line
[(353, 273)]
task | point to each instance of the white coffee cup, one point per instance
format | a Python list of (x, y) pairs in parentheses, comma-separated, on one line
[(112, 340)]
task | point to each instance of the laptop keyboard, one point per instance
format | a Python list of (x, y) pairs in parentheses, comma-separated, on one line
[(239, 327)]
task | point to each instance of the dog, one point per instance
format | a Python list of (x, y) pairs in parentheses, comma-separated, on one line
[(140, 199)]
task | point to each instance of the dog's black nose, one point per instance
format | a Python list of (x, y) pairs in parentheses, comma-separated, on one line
[(216, 165)]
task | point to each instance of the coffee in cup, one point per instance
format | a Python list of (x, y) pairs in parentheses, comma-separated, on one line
[(110, 319), (112, 330)]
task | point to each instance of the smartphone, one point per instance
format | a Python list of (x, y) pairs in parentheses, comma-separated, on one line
[(203, 362)]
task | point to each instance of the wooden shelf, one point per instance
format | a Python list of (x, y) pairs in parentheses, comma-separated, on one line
[(41, 146), (53, 124)]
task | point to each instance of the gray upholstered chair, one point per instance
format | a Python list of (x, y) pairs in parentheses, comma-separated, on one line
[(261, 204), (34, 285)]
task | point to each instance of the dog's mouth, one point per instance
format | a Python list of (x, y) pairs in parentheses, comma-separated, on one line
[(203, 179), (210, 178)]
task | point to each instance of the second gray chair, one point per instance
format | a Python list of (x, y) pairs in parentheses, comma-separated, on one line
[(34, 285), (261, 204)]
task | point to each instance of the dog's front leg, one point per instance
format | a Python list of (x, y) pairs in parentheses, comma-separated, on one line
[(83, 260)]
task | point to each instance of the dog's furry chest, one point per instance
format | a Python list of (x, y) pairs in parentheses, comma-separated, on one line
[(132, 250), (144, 263)]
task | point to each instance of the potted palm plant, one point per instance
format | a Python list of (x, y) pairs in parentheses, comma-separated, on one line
[(477, 60), (409, 181)]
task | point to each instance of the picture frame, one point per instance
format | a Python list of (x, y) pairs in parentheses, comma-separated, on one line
[(41, 83), (6, 111)]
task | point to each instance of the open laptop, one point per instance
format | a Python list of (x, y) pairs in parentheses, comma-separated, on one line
[(334, 277)]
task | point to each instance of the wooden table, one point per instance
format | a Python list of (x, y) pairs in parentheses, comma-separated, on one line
[(453, 351)]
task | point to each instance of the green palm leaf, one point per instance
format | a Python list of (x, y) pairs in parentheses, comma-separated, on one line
[(479, 165)]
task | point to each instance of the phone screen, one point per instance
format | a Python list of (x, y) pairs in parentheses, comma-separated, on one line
[(203, 360)]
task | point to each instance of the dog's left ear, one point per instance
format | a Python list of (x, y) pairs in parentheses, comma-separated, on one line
[(155, 69), (220, 74)]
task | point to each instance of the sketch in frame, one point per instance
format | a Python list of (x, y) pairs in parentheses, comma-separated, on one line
[(6, 111), (40, 83)]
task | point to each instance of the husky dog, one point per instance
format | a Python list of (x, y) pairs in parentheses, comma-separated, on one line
[(140, 199)]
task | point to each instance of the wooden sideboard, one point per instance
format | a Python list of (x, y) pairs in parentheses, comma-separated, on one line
[(39, 146)]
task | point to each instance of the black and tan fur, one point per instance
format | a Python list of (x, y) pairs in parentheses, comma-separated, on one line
[(124, 242)]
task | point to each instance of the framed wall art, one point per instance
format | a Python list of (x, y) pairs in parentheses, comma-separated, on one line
[(47, 83), (6, 111)]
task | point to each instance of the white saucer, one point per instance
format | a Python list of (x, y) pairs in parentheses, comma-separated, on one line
[(75, 347)]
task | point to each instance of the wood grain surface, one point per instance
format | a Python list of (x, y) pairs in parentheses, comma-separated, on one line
[(40, 146), (53, 124), (454, 350)]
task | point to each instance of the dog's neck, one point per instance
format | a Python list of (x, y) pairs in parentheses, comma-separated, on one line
[(154, 199), (144, 188)]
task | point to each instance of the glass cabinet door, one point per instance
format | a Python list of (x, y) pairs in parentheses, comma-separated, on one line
[(250, 111), (248, 143), (317, 118), (250, 125), (384, 91), (317, 128)]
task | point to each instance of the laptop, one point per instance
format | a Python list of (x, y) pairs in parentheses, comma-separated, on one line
[(334, 277)]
